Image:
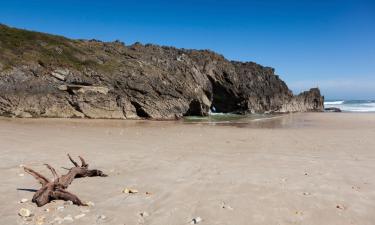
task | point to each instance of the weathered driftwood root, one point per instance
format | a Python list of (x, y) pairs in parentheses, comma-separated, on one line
[(55, 189)]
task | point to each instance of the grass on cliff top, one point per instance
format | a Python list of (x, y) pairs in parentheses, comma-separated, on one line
[(22, 47)]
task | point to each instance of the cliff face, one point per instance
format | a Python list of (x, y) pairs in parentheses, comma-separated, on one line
[(43, 75)]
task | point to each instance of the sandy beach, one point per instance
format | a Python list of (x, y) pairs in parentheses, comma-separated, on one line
[(313, 168)]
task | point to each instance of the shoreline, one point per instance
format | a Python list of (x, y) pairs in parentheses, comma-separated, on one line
[(306, 168)]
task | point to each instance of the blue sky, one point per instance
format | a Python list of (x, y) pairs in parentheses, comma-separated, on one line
[(330, 44)]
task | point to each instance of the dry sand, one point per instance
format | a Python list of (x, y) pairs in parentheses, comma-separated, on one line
[(297, 169)]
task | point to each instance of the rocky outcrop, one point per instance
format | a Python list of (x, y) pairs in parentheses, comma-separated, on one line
[(332, 109), (308, 101), (43, 75)]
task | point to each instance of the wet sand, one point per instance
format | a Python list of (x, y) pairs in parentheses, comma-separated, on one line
[(295, 169)]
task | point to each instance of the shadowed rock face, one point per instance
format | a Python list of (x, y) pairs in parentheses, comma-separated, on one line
[(43, 75)]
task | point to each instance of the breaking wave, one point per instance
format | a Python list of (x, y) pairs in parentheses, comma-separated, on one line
[(352, 105)]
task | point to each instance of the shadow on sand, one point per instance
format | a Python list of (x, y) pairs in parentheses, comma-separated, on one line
[(27, 189)]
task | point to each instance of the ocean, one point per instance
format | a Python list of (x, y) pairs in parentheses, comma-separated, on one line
[(352, 105), (234, 119)]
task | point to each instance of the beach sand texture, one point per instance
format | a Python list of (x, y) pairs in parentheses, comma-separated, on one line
[(316, 168)]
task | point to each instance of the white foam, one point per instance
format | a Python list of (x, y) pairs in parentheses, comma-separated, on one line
[(334, 103), (216, 113), (357, 109), (369, 104)]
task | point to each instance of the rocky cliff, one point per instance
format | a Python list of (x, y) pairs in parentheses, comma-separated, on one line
[(43, 75)]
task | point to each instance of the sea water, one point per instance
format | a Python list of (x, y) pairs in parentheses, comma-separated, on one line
[(352, 105), (218, 118), (235, 119)]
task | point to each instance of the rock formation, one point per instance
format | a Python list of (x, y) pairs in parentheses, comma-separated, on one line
[(332, 109), (43, 75)]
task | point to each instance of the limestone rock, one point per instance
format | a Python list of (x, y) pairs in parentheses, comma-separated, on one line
[(60, 73), (308, 101), (94, 79)]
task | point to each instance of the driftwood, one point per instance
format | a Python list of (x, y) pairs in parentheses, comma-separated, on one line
[(55, 189)]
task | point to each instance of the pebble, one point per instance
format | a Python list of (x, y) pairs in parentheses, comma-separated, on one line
[(144, 214), (196, 220), (21, 174), (225, 206), (129, 191), (60, 208), (340, 207), (102, 217), (90, 203), (79, 216), (68, 218), (306, 193), (25, 212), (23, 200), (47, 210)]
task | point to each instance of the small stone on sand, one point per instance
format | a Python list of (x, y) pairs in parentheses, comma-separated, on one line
[(129, 191), (196, 220), (79, 216), (89, 203), (144, 214), (225, 206), (102, 217), (340, 207), (23, 200), (25, 212), (68, 218)]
